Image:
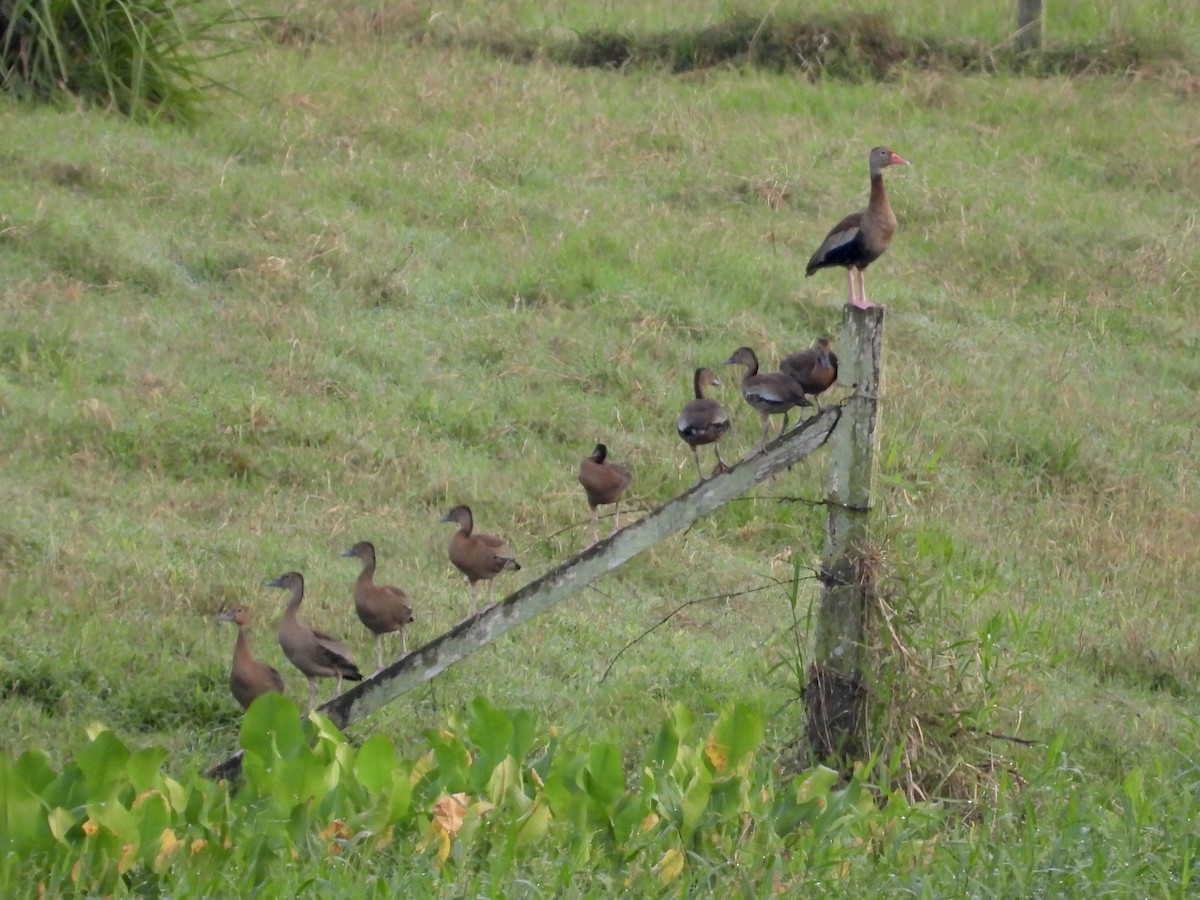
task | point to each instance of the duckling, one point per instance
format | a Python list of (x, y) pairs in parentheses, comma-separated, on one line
[(703, 421), (604, 481), (313, 652), (248, 678), (814, 369), (481, 557), (382, 608), (770, 394)]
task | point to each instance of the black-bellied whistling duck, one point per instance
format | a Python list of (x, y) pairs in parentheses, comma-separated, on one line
[(481, 557), (769, 393), (604, 481), (703, 421), (248, 678), (860, 239), (382, 608), (313, 652), (814, 369)]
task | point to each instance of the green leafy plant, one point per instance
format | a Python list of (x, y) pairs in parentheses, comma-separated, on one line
[(141, 57)]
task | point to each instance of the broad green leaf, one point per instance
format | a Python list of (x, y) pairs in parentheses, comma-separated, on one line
[(375, 763), (532, 826), (738, 732), (663, 750), (271, 729), (143, 768), (603, 778), (102, 762)]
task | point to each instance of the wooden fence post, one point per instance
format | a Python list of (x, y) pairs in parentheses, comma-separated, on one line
[(835, 694), (1029, 25)]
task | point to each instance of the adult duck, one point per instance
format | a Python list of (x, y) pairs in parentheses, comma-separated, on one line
[(770, 394), (249, 678), (862, 237), (604, 481), (703, 421), (814, 369), (479, 556), (313, 652), (383, 608)]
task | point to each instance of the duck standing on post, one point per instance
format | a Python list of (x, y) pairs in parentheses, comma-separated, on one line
[(814, 369), (769, 393), (703, 421), (383, 608), (481, 557), (248, 678), (313, 652), (604, 481), (860, 239)]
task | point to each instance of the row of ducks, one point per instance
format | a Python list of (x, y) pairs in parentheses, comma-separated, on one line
[(854, 243), (805, 373), (383, 609), (387, 609)]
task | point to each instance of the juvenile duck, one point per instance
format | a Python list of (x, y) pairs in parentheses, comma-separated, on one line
[(860, 238), (770, 394), (703, 421), (604, 481), (481, 557), (313, 652), (248, 678), (382, 608), (814, 369)]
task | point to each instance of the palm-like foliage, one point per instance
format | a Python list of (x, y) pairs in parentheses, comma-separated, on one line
[(141, 57)]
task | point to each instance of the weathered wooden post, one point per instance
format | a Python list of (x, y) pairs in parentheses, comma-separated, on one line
[(1029, 25), (835, 695)]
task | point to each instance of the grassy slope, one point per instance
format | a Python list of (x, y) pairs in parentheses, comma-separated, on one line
[(390, 280)]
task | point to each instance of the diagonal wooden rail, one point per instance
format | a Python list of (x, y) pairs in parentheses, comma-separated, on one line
[(470, 635)]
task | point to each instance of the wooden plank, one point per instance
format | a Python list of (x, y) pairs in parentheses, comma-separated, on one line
[(470, 635)]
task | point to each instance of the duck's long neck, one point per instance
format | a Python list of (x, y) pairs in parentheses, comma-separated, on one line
[(751, 367), (241, 648), (368, 570), (879, 200), (294, 602), (697, 386)]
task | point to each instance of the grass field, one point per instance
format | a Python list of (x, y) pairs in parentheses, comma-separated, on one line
[(399, 272)]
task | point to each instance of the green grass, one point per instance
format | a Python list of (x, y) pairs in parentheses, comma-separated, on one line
[(391, 276)]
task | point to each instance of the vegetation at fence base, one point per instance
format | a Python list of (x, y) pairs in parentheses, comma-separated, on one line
[(492, 792), (498, 800), (149, 59)]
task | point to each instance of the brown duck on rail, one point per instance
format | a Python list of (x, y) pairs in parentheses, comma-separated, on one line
[(248, 678), (313, 652), (703, 421), (382, 608), (814, 369), (481, 557), (771, 394), (604, 481)]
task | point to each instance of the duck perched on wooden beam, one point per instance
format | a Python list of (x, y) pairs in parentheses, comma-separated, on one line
[(249, 678), (862, 237), (814, 369), (479, 556), (383, 608), (604, 481), (703, 421), (770, 394), (315, 653)]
